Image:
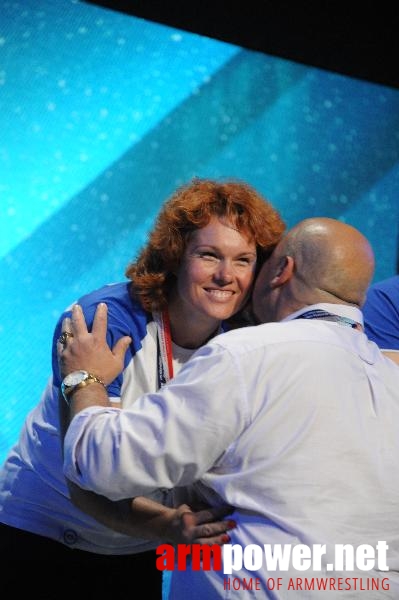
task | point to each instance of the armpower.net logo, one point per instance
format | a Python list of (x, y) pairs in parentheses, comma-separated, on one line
[(273, 559)]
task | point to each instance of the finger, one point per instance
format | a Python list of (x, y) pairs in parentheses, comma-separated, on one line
[(66, 325), (220, 539), (211, 529), (60, 349), (208, 532), (213, 533), (78, 322), (212, 514), (119, 350), (62, 341), (99, 328)]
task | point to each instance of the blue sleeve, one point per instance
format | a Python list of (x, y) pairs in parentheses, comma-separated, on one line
[(381, 314), (125, 317)]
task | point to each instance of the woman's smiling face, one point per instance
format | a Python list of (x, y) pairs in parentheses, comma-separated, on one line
[(217, 271)]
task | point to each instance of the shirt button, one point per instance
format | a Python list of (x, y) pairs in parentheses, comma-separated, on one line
[(70, 537)]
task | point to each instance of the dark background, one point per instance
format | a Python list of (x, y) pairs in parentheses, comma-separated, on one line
[(358, 39)]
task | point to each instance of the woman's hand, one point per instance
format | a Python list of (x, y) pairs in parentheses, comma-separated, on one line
[(201, 527)]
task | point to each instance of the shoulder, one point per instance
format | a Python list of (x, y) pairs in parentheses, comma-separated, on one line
[(113, 294), (266, 336), (243, 339), (117, 297), (126, 316), (388, 288)]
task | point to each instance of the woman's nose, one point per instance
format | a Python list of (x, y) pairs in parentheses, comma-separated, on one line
[(224, 272)]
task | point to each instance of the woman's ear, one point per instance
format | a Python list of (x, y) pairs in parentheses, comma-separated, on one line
[(285, 270)]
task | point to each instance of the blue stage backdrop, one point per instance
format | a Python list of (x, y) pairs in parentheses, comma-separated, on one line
[(102, 115)]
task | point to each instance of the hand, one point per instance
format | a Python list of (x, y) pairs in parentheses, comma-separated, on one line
[(90, 351), (201, 527)]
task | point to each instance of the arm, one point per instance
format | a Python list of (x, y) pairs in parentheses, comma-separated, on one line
[(140, 516), (381, 314), (166, 439), (144, 518)]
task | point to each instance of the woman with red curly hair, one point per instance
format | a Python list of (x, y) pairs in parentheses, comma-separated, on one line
[(233, 204), (229, 209), (191, 281)]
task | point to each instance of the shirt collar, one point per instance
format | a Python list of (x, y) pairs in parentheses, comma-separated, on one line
[(342, 310)]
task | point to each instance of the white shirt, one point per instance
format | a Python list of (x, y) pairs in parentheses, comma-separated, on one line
[(33, 490), (293, 423)]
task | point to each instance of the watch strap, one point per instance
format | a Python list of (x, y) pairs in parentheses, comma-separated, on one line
[(67, 391)]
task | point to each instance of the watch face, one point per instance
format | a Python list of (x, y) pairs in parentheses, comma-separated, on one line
[(75, 378)]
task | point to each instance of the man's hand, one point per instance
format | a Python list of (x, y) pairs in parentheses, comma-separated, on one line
[(90, 351)]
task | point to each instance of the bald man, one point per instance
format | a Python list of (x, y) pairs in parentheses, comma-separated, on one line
[(293, 423)]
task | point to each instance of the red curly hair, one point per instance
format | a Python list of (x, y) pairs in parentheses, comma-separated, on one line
[(189, 208)]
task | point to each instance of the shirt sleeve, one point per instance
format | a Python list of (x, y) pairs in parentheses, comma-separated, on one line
[(166, 439), (121, 321), (381, 317)]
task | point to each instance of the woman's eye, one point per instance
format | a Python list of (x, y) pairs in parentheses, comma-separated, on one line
[(208, 255), (245, 260)]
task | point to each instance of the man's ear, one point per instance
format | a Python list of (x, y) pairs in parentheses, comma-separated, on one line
[(285, 271)]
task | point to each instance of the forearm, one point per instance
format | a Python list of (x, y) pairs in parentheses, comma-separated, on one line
[(138, 517), (94, 394), (143, 518), (151, 520)]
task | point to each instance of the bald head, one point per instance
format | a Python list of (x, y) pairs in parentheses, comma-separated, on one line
[(318, 260), (333, 260)]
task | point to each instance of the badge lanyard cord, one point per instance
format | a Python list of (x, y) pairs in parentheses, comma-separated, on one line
[(323, 314)]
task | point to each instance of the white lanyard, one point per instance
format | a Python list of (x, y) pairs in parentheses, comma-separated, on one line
[(164, 347)]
